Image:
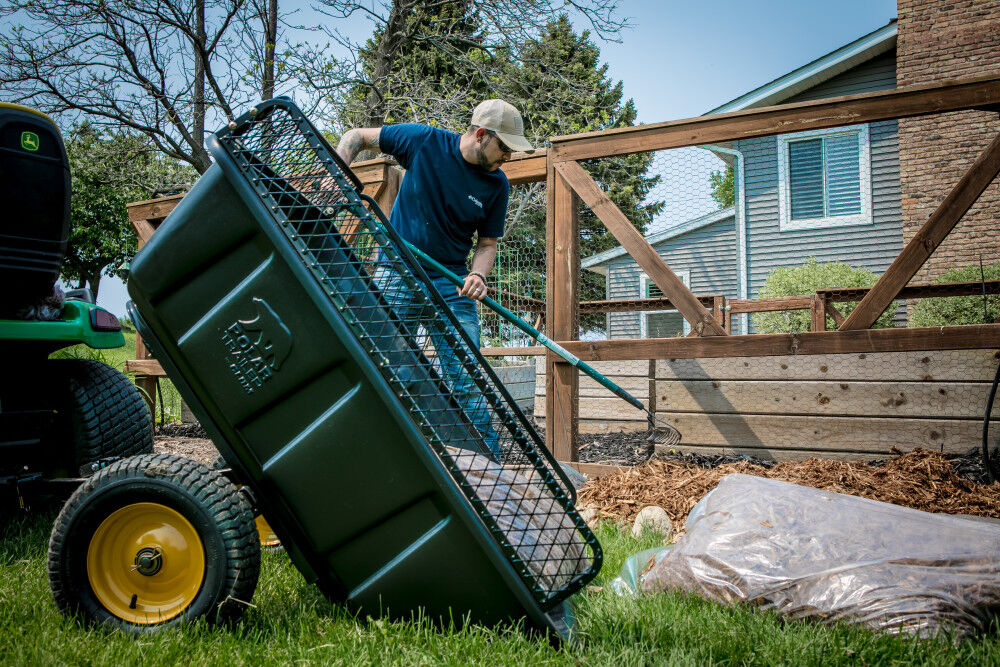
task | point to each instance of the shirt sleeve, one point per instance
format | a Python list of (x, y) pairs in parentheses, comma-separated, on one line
[(493, 226), (403, 141)]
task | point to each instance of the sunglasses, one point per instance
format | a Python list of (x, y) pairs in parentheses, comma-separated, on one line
[(504, 148)]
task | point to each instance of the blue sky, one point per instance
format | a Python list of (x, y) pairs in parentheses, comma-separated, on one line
[(681, 58)]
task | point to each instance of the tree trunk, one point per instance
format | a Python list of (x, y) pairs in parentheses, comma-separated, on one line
[(392, 39), (94, 280), (198, 122), (270, 41)]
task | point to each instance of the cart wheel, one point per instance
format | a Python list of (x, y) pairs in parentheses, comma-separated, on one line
[(108, 416), (154, 540), (266, 535)]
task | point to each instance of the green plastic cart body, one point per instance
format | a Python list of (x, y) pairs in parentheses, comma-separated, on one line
[(263, 296)]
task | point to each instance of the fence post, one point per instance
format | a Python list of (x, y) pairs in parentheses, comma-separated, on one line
[(562, 308)]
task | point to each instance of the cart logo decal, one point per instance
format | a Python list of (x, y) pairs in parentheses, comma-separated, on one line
[(29, 141), (257, 347)]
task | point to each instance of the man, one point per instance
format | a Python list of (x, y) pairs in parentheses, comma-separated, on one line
[(453, 191)]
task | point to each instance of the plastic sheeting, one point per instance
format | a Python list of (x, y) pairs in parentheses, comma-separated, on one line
[(808, 553)]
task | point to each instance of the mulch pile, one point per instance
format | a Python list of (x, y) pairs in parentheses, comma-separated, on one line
[(919, 479)]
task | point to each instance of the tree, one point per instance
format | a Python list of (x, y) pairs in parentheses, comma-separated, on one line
[(479, 38), (723, 187), (562, 89), (165, 69), (108, 171)]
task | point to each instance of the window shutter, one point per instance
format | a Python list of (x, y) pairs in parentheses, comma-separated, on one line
[(805, 177), (843, 175), (652, 291)]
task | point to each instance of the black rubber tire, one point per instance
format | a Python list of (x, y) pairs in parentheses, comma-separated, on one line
[(219, 513), (107, 414)]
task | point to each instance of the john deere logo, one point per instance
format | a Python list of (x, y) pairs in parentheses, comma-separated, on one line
[(29, 141), (256, 348)]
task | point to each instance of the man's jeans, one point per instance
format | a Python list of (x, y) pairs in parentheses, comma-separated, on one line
[(460, 382)]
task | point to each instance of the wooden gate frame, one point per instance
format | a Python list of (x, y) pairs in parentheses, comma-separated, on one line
[(567, 183)]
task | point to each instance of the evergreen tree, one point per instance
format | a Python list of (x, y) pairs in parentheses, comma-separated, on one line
[(562, 88)]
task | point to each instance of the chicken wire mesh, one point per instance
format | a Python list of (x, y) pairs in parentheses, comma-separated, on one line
[(660, 192), (454, 399)]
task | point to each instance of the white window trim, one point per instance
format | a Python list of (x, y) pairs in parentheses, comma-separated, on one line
[(644, 280), (785, 222)]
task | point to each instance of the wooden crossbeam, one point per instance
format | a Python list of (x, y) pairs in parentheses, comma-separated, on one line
[(904, 102), (972, 336), (642, 252), (924, 242)]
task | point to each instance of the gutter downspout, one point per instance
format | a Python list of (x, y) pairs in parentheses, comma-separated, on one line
[(741, 228)]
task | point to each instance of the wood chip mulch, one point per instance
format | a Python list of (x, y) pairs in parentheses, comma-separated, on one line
[(920, 479)]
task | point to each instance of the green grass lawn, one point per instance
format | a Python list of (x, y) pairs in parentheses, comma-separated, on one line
[(117, 357), (291, 622)]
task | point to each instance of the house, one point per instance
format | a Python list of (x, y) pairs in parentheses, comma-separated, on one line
[(830, 194)]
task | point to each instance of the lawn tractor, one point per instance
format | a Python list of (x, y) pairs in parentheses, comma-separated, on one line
[(60, 419)]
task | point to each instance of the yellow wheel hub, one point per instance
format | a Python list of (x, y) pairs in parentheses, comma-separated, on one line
[(146, 563)]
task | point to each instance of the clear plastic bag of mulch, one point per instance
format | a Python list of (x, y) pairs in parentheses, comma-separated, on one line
[(807, 553)]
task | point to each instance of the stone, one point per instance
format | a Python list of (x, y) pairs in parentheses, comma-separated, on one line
[(653, 518)]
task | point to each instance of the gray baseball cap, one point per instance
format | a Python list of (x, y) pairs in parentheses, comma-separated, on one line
[(503, 119)]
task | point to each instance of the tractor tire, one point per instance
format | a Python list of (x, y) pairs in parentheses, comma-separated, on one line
[(153, 541), (107, 414)]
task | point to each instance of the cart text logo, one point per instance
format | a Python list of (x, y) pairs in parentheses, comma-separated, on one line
[(257, 348)]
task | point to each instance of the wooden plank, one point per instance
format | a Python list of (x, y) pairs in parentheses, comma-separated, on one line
[(152, 209), (629, 305), (832, 311), (848, 398), (770, 305), (818, 314), (533, 351), (526, 168), (767, 454), (903, 102), (594, 470), (601, 408), (150, 367), (562, 301), (916, 366), (592, 426), (638, 387), (970, 336), (641, 251), (616, 369), (917, 291), (924, 242), (872, 435)]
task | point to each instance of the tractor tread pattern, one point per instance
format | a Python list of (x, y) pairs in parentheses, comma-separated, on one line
[(111, 418)]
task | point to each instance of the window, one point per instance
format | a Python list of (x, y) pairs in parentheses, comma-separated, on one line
[(824, 179), (661, 323)]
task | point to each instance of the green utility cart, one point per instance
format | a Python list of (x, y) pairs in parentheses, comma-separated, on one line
[(56, 415), (397, 471)]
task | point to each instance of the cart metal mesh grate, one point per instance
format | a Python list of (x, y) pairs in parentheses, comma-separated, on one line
[(455, 400)]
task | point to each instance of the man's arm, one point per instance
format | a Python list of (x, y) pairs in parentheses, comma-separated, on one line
[(482, 262), (356, 140)]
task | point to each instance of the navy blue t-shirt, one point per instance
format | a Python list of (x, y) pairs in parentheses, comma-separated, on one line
[(443, 200)]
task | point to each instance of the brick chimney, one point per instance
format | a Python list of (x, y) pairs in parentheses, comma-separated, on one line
[(940, 40)]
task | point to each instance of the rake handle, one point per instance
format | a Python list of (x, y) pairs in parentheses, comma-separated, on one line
[(555, 347)]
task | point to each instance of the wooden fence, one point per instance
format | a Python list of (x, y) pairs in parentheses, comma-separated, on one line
[(778, 427), (858, 406)]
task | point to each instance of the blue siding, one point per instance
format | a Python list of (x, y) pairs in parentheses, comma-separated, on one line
[(708, 254), (872, 246)]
